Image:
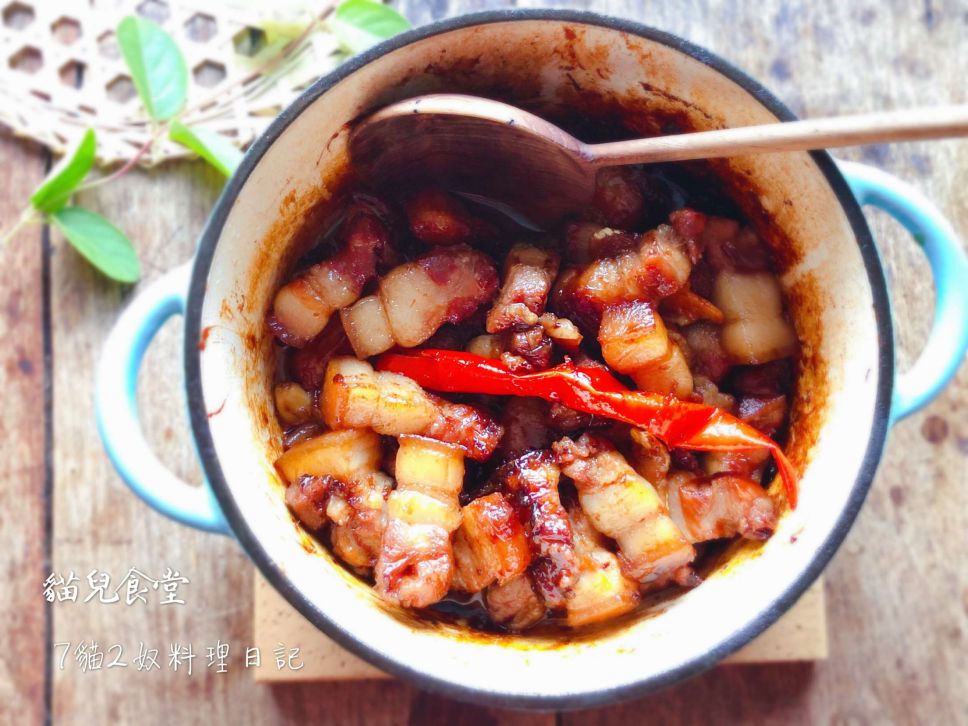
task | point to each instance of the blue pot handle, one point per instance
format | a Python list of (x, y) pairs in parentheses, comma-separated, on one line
[(116, 407), (948, 341)]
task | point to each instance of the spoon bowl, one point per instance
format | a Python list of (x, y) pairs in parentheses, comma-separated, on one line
[(476, 146), (480, 146)]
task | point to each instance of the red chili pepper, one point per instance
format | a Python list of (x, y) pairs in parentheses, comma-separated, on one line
[(679, 424)]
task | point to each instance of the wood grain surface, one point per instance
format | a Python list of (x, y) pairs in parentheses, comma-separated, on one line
[(23, 474), (897, 592)]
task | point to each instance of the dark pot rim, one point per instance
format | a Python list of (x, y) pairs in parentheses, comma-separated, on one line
[(252, 546)]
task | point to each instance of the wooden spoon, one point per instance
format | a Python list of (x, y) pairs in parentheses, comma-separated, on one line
[(489, 148)]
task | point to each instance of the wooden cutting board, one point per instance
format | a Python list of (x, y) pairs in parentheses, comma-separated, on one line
[(800, 635)]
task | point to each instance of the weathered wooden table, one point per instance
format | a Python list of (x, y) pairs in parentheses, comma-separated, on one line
[(897, 590)]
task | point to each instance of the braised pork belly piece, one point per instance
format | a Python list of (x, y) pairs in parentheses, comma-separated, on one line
[(416, 562), (356, 396), (528, 275), (635, 342), (490, 545), (619, 197), (531, 482), (335, 478), (723, 505), (514, 604), (356, 510), (439, 218), (303, 306), (602, 590), (339, 454), (625, 506), (657, 266), (445, 285)]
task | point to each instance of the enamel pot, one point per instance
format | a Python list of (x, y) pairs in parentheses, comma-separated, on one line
[(560, 64)]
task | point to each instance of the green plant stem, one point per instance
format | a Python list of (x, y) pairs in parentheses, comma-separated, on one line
[(128, 165), (265, 66), (28, 216)]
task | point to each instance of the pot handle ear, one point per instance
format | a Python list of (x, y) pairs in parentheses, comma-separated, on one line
[(948, 341), (116, 407)]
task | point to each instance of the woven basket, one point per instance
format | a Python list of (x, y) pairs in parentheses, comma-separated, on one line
[(63, 71)]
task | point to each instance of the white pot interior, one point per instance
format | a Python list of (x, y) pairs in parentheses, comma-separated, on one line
[(544, 64)]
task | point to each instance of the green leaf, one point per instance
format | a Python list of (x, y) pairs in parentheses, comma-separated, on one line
[(360, 24), (65, 178), (100, 242), (157, 66), (278, 31), (214, 148)]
